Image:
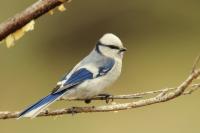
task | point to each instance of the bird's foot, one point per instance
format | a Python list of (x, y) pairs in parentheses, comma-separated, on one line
[(107, 97)]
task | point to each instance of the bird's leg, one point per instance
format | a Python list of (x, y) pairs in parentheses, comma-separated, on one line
[(87, 101), (106, 96)]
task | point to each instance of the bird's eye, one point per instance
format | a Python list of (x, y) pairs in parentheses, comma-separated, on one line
[(113, 47)]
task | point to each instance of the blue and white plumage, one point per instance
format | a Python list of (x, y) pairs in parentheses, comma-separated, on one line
[(89, 77)]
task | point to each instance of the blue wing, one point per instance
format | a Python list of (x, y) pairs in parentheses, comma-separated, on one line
[(76, 78), (79, 76), (83, 74)]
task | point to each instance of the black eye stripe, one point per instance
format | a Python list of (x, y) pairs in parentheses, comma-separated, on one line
[(110, 46)]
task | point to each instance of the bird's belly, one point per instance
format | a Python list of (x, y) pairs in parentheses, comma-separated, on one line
[(87, 90), (90, 88)]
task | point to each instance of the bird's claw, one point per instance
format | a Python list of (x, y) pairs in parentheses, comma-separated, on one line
[(106, 97)]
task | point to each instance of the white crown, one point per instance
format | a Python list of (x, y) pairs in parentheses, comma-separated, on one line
[(110, 39)]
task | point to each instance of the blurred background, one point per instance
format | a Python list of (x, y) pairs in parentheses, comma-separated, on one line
[(162, 38)]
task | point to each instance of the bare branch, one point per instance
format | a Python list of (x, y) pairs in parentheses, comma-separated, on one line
[(32, 12), (163, 96), (140, 95)]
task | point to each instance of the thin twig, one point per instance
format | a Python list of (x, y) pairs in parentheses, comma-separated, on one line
[(195, 64), (194, 88), (34, 11)]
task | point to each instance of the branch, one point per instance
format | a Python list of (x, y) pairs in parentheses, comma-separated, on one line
[(192, 87), (162, 96), (32, 12)]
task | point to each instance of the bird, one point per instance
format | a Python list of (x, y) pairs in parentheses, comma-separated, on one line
[(98, 70)]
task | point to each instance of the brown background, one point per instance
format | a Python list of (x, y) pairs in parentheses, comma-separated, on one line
[(162, 38)]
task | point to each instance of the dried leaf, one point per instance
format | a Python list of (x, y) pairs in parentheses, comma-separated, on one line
[(29, 26), (9, 41), (18, 34), (61, 8)]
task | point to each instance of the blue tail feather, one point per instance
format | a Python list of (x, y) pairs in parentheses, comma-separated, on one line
[(46, 100)]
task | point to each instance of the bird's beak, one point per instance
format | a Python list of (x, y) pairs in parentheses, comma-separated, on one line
[(123, 49)]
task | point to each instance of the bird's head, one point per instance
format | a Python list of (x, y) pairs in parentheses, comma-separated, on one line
[(110, 45)]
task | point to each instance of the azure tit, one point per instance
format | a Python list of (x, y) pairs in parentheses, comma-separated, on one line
[(89, 77)]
